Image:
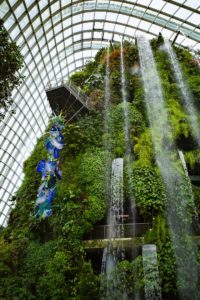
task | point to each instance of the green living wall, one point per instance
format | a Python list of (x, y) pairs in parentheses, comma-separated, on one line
[(47, 259)]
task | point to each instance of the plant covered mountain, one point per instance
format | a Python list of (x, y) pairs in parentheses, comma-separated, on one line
[(47, 259)]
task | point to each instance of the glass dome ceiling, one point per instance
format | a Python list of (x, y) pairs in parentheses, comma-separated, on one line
[(56, 39)]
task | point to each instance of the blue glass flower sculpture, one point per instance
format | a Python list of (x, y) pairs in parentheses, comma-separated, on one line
[(49, 170)]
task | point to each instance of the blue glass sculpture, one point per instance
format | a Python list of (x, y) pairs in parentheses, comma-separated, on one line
[(49, 170)]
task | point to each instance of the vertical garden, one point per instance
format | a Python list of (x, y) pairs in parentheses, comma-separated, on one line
[(47, 258)]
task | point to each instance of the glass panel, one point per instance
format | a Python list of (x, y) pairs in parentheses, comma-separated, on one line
[(4, 8), (67, 23), (65, 2), (111, 16), (192, 3), (9, 22), (43, 3), (42, 42), (55, 7), (170, 8), (53, 52), (100, 15), (14, 33), (12, 2), (19, 10), (56, 18), (122, 19), (78, 64), (76, 19), (155, 29), (183, 13), (2, 205), (77, 37), (45, 14), (144, 2), (28, 2), (157, 4), (194, 18), (88, 16), (107, 36), (78, 55), (166, 32), (98, 35), (44, 51), (71, 68), (49, 35), (98, 25), (88, 26), (57, 28), (20, 41), (144, 25), (133, 22), (33, 12), (35, 50), (60, 47), (77, 28), (66, 12), (118, 28), (67, 33), (129, 31), (36, 23)]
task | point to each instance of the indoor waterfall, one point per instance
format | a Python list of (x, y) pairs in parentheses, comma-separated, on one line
[(114, 251), (128, 151), (115, 218), (182, 158), (107, 99), (186, 96), (107, 129), (128, 157), (178, 211), (125, 102), (151, 274)]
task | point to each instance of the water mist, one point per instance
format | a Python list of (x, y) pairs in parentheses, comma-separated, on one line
[(180, 201)]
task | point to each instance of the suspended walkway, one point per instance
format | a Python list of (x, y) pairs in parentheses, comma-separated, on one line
[(133, 234), (66, 97)]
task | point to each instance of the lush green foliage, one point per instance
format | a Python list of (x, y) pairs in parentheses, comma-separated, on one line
[(47, 259), (11, 62), (149, 192)]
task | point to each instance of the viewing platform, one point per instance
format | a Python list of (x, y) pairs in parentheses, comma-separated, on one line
[(133, 234), (64, 96)]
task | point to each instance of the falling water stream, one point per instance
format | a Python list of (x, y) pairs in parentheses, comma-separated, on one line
[(116, 205), (106, 139), (180, 202), (186, 97), (128, 151), (151, 274), (114, 251), (128, 155), (125, 102), (107, 98)]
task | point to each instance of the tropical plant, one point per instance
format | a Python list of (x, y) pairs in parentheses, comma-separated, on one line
[(11, 62)]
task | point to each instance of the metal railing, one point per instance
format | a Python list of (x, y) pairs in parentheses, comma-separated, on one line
[(72, 88), (130, 230)]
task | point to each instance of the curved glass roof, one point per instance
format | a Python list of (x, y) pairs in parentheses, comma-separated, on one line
[(57, 37)]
